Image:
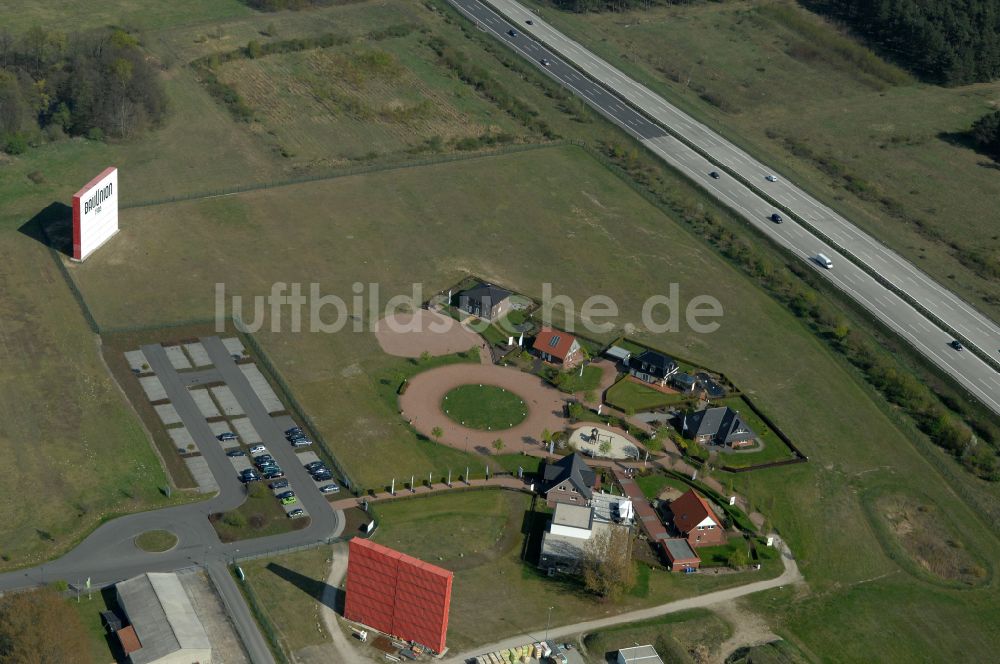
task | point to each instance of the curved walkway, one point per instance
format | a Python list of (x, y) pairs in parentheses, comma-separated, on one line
[(421, 406)]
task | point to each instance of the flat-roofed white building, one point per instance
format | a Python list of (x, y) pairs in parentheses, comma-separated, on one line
[(639, 655)]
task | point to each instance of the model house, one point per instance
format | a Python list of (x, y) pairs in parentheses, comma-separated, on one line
[(485, 301), (694, 519), (718, 426), (557, 347)]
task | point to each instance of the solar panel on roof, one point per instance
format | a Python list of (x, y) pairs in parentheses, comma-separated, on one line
[(554, 341)]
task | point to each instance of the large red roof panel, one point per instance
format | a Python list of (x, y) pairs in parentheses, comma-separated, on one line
[(397, 594)]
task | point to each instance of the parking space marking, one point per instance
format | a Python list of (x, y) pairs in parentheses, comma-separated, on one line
[(168, 414), (203, 400), (178, 360), (227, 402), (197, 354), (153, 388)]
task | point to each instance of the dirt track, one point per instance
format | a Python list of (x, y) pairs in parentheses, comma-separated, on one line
[(421, 405), (410, 335)]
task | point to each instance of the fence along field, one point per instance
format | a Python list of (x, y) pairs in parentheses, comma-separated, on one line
[(330, 104)]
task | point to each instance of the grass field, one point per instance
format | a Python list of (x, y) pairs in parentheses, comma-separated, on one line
[(478, 535), (415, 225), (629, 395), (19, 15), (484, 407), (571, 196), (867, 139), (290, 590), (324, 106), (64, 425)]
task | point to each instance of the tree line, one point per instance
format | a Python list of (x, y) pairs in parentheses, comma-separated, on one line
[(93, 84), (949, 42)]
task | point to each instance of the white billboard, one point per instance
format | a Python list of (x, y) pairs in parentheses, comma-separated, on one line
[(95, 213)]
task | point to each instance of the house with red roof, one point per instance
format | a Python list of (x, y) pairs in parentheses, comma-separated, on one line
[(696, 521), (557, 347)]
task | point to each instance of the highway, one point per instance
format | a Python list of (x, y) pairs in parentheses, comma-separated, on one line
[(867, 286)]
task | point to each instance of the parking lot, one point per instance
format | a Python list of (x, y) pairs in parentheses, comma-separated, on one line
[(216, 404)]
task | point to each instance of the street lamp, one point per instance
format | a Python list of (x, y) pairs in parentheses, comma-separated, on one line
[(547, 623)]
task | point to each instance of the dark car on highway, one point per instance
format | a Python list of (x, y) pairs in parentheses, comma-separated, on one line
[(512, 32), (776, 218), (956, 344), (714, 175)]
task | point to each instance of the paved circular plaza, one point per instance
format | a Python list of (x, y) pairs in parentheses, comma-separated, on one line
[(421, 406)]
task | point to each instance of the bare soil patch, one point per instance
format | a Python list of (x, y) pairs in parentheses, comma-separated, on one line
[(413, 334)]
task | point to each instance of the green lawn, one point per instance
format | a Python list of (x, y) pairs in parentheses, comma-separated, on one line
[(652, 485), (628, 395), (89, 608), (774, 448), (261, 515), (718, 556), (290, 589), (484, 407), (156, 541), (573, 382)]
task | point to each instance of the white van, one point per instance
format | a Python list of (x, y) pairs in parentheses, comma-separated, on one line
[(824, 261)]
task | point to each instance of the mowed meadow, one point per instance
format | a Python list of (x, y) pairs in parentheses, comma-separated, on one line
[(556, 216)]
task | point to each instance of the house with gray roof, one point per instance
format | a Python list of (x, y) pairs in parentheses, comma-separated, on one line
[(568, 480), (164, 628), (718, 426), (651, 366), (485, 301)]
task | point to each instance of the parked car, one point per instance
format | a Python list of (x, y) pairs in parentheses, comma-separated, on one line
[(274, 474), (258, 449), (294, 514), (263, 457), (236, 453), (280, 484), (329, 488), (322, 476), (291, 500), (312, 465), (301, 442), (285, 494), (293, 431), (226, 435)]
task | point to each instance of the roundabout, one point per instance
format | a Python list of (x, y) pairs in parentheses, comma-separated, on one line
[(486, 396), (484, 407)]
